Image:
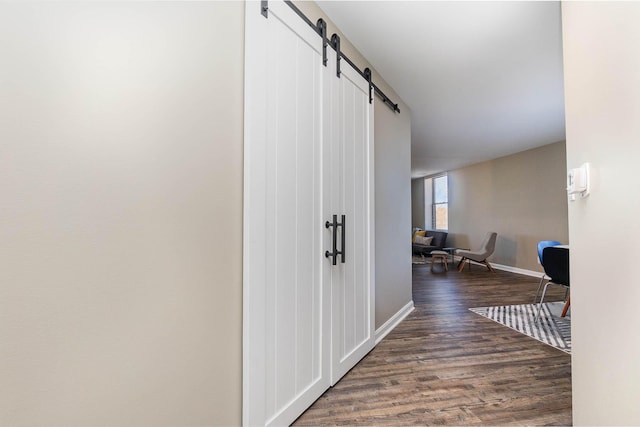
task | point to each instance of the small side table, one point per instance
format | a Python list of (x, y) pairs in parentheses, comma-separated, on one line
[(439, 255), (451, 252)]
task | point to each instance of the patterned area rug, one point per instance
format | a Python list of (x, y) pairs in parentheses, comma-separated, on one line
[(417, 259), (551, 329)]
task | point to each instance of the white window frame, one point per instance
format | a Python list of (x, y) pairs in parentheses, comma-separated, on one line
[(433, 201)]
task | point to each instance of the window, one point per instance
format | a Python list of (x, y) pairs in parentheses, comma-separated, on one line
[(440, 206)]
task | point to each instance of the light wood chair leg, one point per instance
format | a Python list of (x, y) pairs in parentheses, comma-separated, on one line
[(489, 266), (461, 264), (443, 261)]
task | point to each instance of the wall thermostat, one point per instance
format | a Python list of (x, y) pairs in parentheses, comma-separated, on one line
[(578, 182)]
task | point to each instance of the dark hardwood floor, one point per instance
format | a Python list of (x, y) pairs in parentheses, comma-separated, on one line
[(444, 365)]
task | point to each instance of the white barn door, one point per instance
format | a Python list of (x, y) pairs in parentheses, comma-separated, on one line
[(286, 315), (348, 170), (308, 156)]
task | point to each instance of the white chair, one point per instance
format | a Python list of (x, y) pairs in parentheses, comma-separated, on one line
[(487, 248)]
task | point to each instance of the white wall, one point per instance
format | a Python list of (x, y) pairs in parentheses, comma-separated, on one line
[(121, 188), (602, 91)]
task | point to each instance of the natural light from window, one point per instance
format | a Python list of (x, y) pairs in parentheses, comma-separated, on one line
[(440, 203)]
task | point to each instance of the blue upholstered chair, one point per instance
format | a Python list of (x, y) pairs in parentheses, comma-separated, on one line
[(555, 262), (541, 245)]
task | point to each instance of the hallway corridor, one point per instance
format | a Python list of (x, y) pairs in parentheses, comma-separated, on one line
[(444, 365)]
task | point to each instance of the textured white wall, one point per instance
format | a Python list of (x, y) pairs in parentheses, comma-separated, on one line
[(121, 188), (602, 91)]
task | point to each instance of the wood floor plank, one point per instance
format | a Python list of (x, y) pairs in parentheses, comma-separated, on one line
[(444, 365)]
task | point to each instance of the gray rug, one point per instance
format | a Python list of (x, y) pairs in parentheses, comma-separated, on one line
[(417, 259), (551, 329)]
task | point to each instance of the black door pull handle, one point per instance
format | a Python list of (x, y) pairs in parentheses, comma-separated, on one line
[(343, 235), (334, 252)]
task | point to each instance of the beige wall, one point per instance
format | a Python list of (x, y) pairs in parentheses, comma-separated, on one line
[(602, 96), (121, 171), (121, 219), (522, 197), (392, 186), (417, 203)]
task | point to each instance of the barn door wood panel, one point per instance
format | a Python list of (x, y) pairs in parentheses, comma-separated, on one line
[(286, 326), (348, 125), (308, 157)]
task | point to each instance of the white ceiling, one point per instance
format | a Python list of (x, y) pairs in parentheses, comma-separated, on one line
[(482, 79)]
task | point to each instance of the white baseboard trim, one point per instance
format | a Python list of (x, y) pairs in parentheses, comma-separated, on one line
[(394, 321), (516, 270), (507, 268)]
